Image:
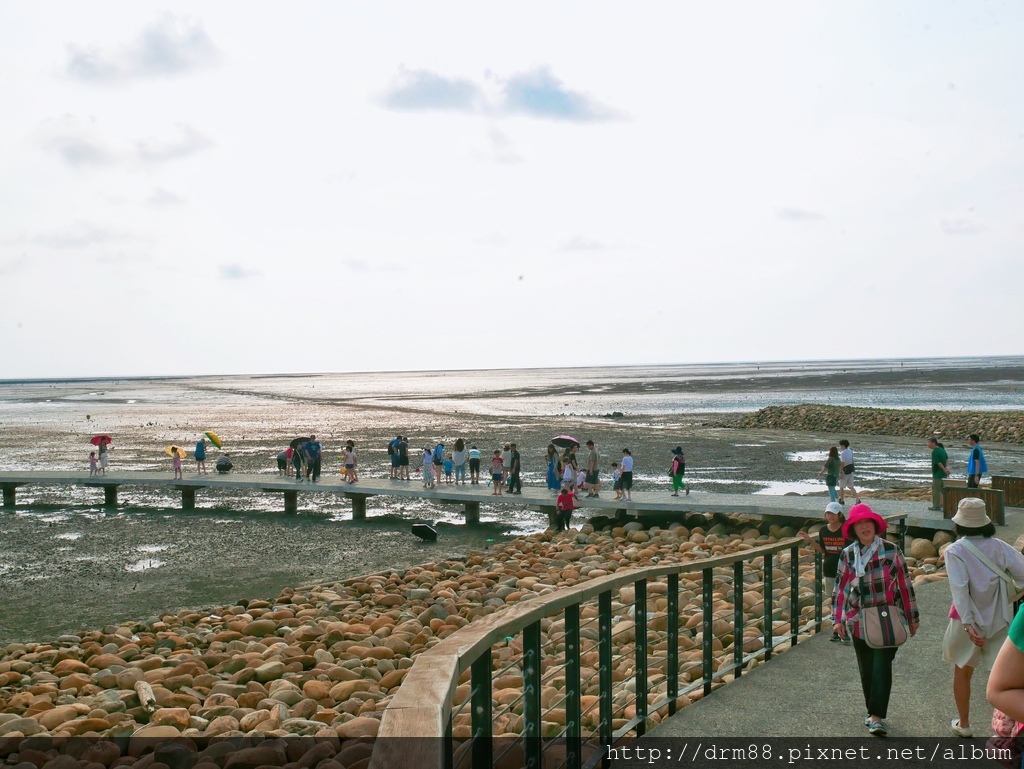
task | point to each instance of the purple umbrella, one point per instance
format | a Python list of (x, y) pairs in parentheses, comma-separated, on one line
[(565, 441)]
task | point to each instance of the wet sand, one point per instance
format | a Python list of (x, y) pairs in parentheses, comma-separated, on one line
[(238, 547)]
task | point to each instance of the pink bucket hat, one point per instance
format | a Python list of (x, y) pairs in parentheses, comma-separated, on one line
[(862, 512)]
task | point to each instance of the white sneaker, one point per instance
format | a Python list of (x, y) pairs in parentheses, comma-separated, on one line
[(960, 731)]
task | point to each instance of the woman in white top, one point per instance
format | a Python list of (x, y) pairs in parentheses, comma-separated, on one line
[(459, 460), (428, 468), (982, 601)]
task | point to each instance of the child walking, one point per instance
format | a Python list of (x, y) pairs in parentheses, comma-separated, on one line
[(616, 480), (177, 465), (93, 464), (497, 472)]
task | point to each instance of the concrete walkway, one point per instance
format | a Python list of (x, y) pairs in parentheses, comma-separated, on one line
[(813, 690)]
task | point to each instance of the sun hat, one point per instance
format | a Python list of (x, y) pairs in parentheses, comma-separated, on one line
[(859, 513), (970, 513), (834, 507)]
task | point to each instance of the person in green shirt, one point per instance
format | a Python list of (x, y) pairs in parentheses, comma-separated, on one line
[(940, 471), (1005, 691)]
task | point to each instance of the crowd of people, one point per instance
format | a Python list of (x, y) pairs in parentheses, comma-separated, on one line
[(874, 609), (839, 469)]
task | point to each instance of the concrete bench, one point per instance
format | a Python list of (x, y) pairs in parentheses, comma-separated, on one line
[(951, 496), (1012, 488)]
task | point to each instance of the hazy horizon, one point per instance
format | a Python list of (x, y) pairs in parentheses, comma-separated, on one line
[(987, 361)]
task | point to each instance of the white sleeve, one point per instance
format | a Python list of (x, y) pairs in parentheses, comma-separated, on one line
[(959, 582)]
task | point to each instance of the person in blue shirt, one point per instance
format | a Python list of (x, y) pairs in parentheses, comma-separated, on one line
[(312, 450), (976, 466), (200, 455)]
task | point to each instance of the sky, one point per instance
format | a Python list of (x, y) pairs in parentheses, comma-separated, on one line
[(251, 187)]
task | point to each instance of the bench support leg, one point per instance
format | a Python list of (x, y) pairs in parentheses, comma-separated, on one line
[(358, 507), (9, 495), (291, 502), (110, 496), (472, 512), (188, 499)]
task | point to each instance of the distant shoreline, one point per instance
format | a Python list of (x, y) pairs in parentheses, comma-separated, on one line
[(812, 366)]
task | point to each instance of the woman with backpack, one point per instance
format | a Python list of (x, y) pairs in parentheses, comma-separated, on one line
[(982, 571), (677, 471)]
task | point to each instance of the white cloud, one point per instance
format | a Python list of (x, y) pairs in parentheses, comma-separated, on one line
[(235, 271), (535, 93), (82, 235), (172, 45), (538, 93), (189, 141), (420, 89), (76, 141), (80, 143), (579, 243), (500, 148), (162, 198)]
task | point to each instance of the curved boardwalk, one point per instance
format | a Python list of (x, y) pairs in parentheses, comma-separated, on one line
[(813, 690)]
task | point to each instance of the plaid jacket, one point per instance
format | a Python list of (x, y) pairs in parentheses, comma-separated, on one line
[(885, 581)]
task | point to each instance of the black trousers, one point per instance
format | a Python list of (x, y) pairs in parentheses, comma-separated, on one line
[(315, 472), (875, 676), (972, 481), (515, 483)]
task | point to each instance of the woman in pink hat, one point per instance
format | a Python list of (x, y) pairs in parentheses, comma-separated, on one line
[(872, 572), (982, 607)]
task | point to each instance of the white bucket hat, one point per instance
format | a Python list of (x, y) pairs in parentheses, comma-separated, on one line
[(970, 513)]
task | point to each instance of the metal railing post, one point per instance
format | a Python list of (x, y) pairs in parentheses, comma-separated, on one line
[(673, 642), (794, 592), (531, 695), (819, 591), (707, 649), (480, 717), (640, 645), (604, 656), (573, 716), (737, 617), (769, 612)]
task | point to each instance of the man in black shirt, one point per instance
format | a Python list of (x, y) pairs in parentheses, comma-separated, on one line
[(403, 457), (515, 483)]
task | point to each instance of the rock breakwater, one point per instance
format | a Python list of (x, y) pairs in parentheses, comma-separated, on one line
[(325, 660), (996, 427)]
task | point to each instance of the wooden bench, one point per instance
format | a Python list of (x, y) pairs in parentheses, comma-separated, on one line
[(951, 497), (1012, 488)]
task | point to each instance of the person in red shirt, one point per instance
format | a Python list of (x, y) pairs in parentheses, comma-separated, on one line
[(564, 505)]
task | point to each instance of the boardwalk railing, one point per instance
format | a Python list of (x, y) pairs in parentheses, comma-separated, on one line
[(554, 680), (1012, 488)]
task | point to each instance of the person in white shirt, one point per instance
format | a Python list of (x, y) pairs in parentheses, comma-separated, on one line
[(846, 471), (626, 476), (982, 601)]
